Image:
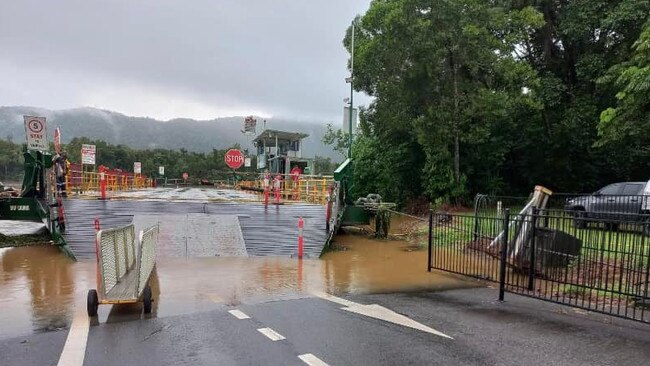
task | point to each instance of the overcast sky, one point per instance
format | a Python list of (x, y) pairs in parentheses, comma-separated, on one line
[(171, 58)]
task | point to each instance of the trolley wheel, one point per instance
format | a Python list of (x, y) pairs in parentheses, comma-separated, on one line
[(92, 303), (147, 299)]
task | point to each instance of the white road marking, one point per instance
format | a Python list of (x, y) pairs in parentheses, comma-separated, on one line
[(335, 299), (312, 360), (271, 334), (381, 313), (238, 314), (74, 349)]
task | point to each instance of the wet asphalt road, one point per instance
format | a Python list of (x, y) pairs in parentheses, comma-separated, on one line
[(520, 331)]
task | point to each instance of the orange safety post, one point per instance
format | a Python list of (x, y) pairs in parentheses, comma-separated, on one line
[(102, 180), (267, 188), (277, 186), (300, 239)]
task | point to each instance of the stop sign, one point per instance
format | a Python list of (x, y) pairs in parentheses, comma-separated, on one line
[(185, 176), (234, 158)]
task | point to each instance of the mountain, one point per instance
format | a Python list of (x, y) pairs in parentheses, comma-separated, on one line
[(149, 133)]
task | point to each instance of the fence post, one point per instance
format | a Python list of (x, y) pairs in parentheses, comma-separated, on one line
[(531, 269), (429, 259), (647, 269), (504, 255), (477, 199)]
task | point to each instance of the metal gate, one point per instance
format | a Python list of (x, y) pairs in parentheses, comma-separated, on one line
[(600, 265)]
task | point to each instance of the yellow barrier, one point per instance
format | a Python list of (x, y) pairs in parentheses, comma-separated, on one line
[(312, 189), (90, 181)]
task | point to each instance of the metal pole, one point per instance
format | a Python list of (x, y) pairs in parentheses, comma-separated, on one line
[(531, 267), (504, 255), (351, 94), (429, 265)]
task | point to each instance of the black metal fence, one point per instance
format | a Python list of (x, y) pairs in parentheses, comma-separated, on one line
[(551, 255), (583, 205)]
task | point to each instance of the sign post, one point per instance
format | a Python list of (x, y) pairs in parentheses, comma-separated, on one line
[(250, 124), (36, 133), (234, 159), (88, 153)]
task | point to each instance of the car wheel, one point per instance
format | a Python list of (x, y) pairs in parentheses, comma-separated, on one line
[(579, 221)]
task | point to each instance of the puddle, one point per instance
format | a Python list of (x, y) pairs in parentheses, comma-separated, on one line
[(40, 287), (364, 265)]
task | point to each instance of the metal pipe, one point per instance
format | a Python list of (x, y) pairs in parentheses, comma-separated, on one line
[(429, 264), (504, 255), (351, 93)]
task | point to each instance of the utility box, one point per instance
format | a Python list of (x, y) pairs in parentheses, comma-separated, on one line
[(554, 249)]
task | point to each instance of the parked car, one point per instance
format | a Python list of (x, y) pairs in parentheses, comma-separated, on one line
[(629, 201)]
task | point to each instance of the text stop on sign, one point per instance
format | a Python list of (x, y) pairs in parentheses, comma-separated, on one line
[(234, 158)]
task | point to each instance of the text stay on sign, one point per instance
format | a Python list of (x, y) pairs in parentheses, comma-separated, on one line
[(36, 133)]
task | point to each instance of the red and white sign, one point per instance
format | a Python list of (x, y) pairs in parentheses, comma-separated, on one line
[(185, 176), (137, 167), (57, 140), (36, 133), (234, 158), (88, 154)]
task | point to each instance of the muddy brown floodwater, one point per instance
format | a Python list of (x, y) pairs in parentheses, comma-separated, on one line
[(40, 288)]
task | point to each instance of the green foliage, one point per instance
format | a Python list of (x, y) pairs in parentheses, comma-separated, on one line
[(498, 96), (11, 161), (176, 162), (338, 139), (324, 166), (630, 119)]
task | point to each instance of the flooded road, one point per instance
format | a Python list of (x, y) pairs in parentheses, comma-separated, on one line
[(40, 288)]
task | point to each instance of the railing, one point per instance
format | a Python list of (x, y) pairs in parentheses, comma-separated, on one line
[(583, 204), (116, 255), (148, 244), (307, 188), (550, 255), (81, 182)]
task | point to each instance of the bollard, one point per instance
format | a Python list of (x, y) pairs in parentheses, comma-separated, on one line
[(328, 210), (102, 184), (277, 185), (300, 239), (267, 183)]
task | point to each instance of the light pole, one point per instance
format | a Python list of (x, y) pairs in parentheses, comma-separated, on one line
[(351, 79)]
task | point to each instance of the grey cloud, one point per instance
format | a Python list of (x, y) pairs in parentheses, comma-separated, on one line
[(279, 57)]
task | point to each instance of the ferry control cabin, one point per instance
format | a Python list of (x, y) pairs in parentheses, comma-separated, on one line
[(280, 151)]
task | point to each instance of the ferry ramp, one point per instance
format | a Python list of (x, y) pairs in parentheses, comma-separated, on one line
[(196, 229)]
